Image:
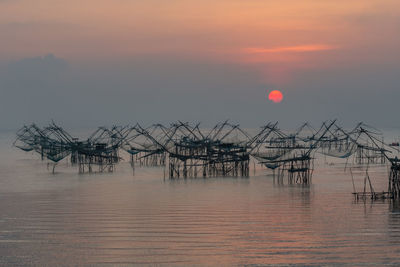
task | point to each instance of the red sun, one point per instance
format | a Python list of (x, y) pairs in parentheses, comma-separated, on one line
[(275, 96)]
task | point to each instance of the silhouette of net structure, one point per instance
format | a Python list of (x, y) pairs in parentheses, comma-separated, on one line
[(54, 143), (192, 152), (291, 153), (355, 143), (390, 154), (143, 145), (187, 150), (51, 142)]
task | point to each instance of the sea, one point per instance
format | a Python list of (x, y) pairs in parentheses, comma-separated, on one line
[(139, 217)]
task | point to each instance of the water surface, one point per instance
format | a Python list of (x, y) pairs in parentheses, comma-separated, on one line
[(141, 218)]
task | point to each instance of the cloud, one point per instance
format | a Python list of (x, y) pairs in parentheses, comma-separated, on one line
[(38, 66), (290, 49)]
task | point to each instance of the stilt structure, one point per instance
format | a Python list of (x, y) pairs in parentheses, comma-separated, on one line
[(144, 151), (296, 160), (54, 143), (394, 178), (222, 151), (188, 151), (393, 191)]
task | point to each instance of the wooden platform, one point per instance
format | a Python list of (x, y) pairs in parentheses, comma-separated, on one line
[(372, 195)]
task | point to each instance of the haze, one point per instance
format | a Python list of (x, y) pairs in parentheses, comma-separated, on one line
[(89, 63)]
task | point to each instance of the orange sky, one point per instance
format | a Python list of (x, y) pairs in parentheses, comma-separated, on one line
[(279, 36)]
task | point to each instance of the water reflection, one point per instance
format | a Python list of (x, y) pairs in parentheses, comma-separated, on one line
[(145, 220), (394, 223)]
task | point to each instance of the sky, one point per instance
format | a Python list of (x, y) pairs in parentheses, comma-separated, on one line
[(90, 63)]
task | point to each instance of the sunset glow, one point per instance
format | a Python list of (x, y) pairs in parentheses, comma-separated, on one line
[(298, 49), (209, 133), (165, 52)]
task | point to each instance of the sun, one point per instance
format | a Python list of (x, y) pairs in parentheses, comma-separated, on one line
[(275, 96)]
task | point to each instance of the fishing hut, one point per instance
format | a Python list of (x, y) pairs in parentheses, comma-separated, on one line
[(338, 143), (291, 153), (100, 152), (144, 149), (383, 149), (192, 152), (55, 144), (368, 152)]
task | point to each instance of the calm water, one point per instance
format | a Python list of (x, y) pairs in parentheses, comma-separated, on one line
[(125, 218)]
